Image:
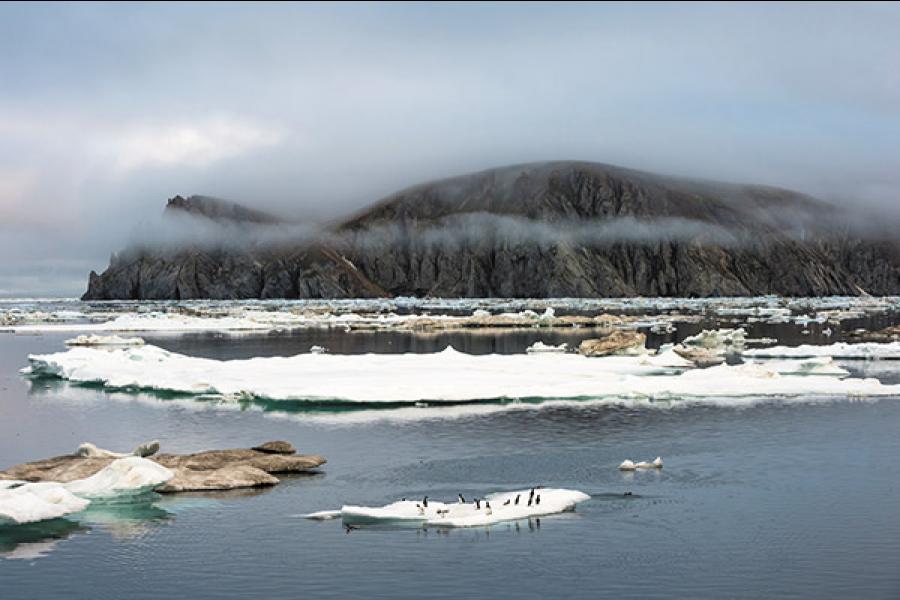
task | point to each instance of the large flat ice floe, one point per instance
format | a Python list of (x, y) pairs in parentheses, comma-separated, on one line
[(22, 502), (494, 508), (840, 350), (447, 376)]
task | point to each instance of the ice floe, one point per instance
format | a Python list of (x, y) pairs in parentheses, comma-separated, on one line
[(493, 508), (104, 340), (539, 347), (122, 478), (630, 465), (31, 502), (840, 350), (447, 376), (719, 340)]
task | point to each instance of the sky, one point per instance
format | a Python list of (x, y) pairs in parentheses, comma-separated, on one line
[(317, 110)]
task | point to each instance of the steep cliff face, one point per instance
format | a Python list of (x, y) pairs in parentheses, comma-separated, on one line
[(540, 230)]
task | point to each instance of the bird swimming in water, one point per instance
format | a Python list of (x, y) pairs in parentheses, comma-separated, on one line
[(627, 493), (350, 528), (461, 499), (517, 499), (487, 508)]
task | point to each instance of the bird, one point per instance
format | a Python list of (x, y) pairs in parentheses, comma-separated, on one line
[(537, 500), (487, 508), (420, 509), (461, 499), (508, 500), (349, 528), (517, 499), (627, 493), (530, 500), (425, 501), (477, 504)]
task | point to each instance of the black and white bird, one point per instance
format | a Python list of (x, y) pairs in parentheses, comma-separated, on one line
[(461, 499), (425, 501), (517, 499), (487, 508), (477, 504), (537, 499)]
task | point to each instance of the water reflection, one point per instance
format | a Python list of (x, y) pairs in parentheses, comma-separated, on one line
[(36, 540)]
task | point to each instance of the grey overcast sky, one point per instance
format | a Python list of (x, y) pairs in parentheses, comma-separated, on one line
[(314, 110)]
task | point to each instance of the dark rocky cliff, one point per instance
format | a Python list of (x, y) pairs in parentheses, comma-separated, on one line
[(539, 230)]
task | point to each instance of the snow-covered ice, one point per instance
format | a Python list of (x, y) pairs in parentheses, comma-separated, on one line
[(840, 350), (31, 502), (539, 346), (447, 376), (124, 477), (493, 508), (104, 340)]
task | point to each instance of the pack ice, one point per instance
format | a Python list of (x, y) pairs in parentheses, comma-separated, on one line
[(447, 376)]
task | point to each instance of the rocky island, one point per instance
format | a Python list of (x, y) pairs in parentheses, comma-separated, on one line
[(558, 229)]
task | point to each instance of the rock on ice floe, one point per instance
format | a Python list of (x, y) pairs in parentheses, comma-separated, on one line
[(210, 470), (22, 502), (701, 357), (619, 342), (629, 465), (540, 347), (129, 476), (104, 340), (840, 350), (447, 376), (457, 514)]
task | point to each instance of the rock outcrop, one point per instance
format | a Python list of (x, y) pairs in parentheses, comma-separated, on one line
[(562, 229), (617, 342), (209, 470)]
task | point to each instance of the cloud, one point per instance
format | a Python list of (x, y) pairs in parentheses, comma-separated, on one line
[(198, 143)]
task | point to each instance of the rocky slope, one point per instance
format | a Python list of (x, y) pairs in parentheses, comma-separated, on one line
[(537, 230)]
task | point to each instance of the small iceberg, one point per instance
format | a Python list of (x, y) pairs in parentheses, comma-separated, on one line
[(493, 508), (540, 348), (318, 349), (22, 502), (629, 465)]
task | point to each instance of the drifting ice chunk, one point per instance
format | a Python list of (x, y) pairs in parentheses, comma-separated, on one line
[(547, 501), (628, 465), (318, 349), (31, 502), (719, 340), (541, 347), (104, 340), (124, 477)]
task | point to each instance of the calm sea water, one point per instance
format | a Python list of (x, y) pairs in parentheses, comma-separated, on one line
[(772, 501)]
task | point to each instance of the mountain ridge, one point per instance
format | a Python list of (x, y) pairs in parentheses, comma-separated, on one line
[(561, 228)]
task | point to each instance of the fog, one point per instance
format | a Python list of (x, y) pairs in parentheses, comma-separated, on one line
[(314, 111)]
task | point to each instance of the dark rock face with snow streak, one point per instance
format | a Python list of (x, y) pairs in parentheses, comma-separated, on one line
[(563, 229)]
